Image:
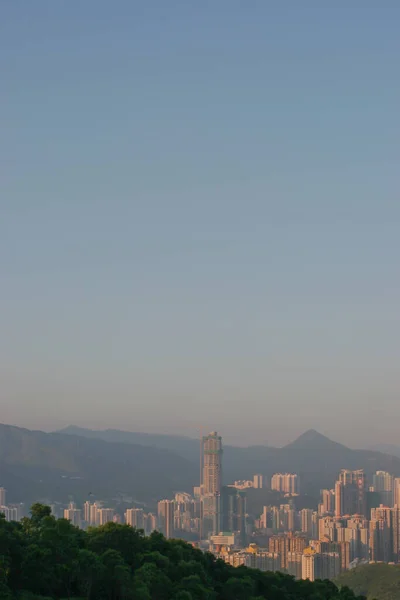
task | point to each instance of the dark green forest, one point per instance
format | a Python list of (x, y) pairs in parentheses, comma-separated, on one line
[(47, 558)]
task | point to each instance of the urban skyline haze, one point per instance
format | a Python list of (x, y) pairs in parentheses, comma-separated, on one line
[(199, 218)]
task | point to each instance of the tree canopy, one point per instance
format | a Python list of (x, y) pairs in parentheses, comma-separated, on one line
[(47, 558)]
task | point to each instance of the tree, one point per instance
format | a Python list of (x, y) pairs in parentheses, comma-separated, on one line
[(238, 589), (116, 576), (129, 542), (47, 558), (141, 592), (39, 512), (5, 592), (36, 570), (196, 588), (156, 581), (89, 572), (183, 595), (12, 545)]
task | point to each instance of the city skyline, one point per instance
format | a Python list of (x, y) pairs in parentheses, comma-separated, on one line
[(357, 520), (199, 349)]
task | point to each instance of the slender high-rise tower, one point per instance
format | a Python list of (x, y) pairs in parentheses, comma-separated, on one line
[(166, 509), (212, 463), (350, 493), (211, 484), (383, 484), (135, 517)]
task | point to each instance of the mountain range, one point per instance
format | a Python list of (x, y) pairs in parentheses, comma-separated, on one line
[(387, 449), (315, 457), (80, 462), (53, 466)]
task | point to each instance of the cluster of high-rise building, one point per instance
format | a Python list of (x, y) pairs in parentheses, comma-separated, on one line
[(292, 554), (286, 483), (92, 514), (11, 512), (353, 522)]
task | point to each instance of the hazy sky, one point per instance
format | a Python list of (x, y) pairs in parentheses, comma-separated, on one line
[(200, 217)]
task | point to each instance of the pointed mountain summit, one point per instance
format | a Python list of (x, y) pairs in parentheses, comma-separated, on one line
[(313, 440)]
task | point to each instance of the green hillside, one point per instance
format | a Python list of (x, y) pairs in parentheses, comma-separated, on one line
[(44, 558), (376, 581)]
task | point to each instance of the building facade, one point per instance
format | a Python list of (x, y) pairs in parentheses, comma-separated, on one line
[(350, 493), (166, 512), (210, 518), (287, 483), (135, 517), (383, 485)]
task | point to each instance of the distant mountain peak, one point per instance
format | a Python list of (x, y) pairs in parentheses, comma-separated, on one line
[(313, 440)]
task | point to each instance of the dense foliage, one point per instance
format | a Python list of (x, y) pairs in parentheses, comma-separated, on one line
[(43, 557), (375, 581)]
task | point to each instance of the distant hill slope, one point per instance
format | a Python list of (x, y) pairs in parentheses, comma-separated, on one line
[(315, 440), (316, 458), (375, 581), (387, 449), (37, 465), (52, 466), (185, 446)]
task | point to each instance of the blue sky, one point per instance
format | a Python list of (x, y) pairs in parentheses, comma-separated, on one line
[(199, 217)]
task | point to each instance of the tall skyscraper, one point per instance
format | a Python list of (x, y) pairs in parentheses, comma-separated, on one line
[(396, 492), (326, 565), (233, 512), (311, 567), (135, 518), (93, 514), (86, 511), (395, 524), (287, 518), (3, 496), (357, 533), (391, 516), (350, 493), (151, 523), (383, 484), (212, 463), (211, 485), (331, 565), (327, 505), (166, 513), (327, 547), (314, 525), (288, 483), (379, 541), (285, 543), (294, 561), (104, 515), (306, 521), (258, 481), (73, 514), (19, 508), (10, 513)]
